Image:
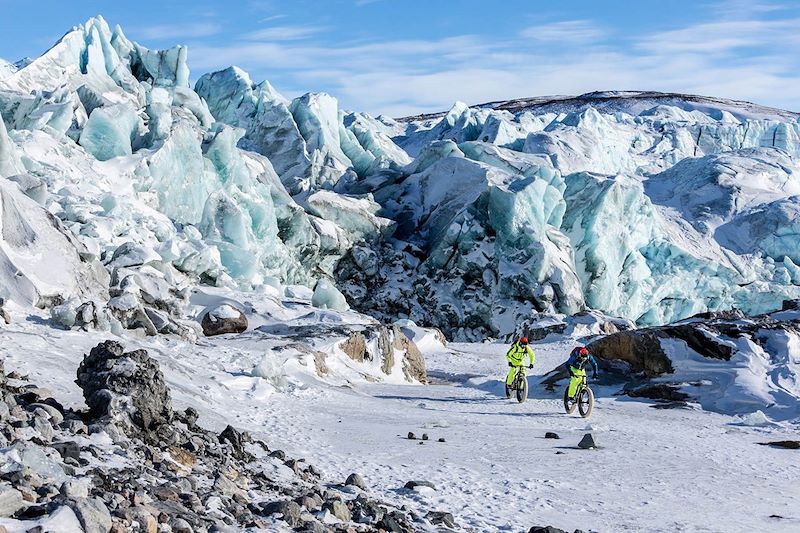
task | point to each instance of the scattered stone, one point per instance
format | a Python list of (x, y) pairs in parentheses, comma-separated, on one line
[(278, 454), (56, 417), (92, 514), (75, 426), (411, 436), (338, 509), (414, 484), (140, 515), (587, 442), (75, 488), (546, 529), (356, 480), (441, 518), (237, 439), (551, 435), (441, 439), (179, 525), (424, 436), (289, 510), (67, 450), (788, 444), (11, 501)]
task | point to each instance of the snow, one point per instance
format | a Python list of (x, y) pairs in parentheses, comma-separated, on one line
[(495, 471)]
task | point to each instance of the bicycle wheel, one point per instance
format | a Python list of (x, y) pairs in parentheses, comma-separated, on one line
[(522, 391), (569, 403), (585, 402)]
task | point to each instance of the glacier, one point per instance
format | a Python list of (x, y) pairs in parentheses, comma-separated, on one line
[(647, 206)]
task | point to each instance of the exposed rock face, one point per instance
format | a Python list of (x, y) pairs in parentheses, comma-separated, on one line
[(126, 388), (641, 349), (386, 345), (224, 319)]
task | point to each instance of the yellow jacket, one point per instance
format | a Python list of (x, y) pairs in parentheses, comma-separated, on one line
[(516, 355)]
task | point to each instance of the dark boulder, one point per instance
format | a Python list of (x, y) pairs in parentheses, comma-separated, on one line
[(658, 391), (641, 349), (223, 319), (127, 388)]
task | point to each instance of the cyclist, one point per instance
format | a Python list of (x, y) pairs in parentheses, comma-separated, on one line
[(576, 364), (516, 358)]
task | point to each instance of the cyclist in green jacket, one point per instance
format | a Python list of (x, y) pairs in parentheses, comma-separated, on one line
[(516, 358)]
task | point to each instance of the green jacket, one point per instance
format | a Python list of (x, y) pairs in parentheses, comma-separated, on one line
[(516, 355)]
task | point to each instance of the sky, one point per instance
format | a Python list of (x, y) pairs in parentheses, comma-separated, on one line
[(402, 57)]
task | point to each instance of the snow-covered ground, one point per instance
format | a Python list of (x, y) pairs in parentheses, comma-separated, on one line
[(655, 470)]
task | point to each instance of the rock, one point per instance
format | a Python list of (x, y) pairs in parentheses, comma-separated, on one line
[(441, 439), (75, 488), (414, 366), (11, 501), (125, 388), (551, 435), (658, 391), (411, 436), (278, 454), (179, 525), (190, 416), (75, 427), (289, 510), (441, 518), (393, 523), (355, 347), (143, 517), (338, 509), (414, 484), (424, 436), (56, 418), (237, 440), (788, 444), (356, 480), (545, 529), (587, 442), (224, 319), (70, 449), (182, 457), (641, 349), (92, 514)]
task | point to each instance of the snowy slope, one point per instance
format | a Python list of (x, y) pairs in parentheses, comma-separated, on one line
[(495, 472)]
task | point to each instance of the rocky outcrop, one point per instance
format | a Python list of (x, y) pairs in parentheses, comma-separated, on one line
[(640, 349), (386, 345), (192, 480), (126, 390)]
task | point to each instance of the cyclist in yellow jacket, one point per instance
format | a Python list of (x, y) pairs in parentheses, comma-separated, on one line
[(516, 358)]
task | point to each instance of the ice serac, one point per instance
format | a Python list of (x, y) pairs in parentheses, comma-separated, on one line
[(10, 163), (110, 131), (311, 143), (29, 234), (490, 249)]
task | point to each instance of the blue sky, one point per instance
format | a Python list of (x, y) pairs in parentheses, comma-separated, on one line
[(399, 57)]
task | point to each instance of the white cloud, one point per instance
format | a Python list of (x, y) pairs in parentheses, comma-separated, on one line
[(750, 59), (567, 31), (177, 31), (283, 33)]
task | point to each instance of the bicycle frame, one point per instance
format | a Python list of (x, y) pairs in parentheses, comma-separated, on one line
[(518, 377)]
